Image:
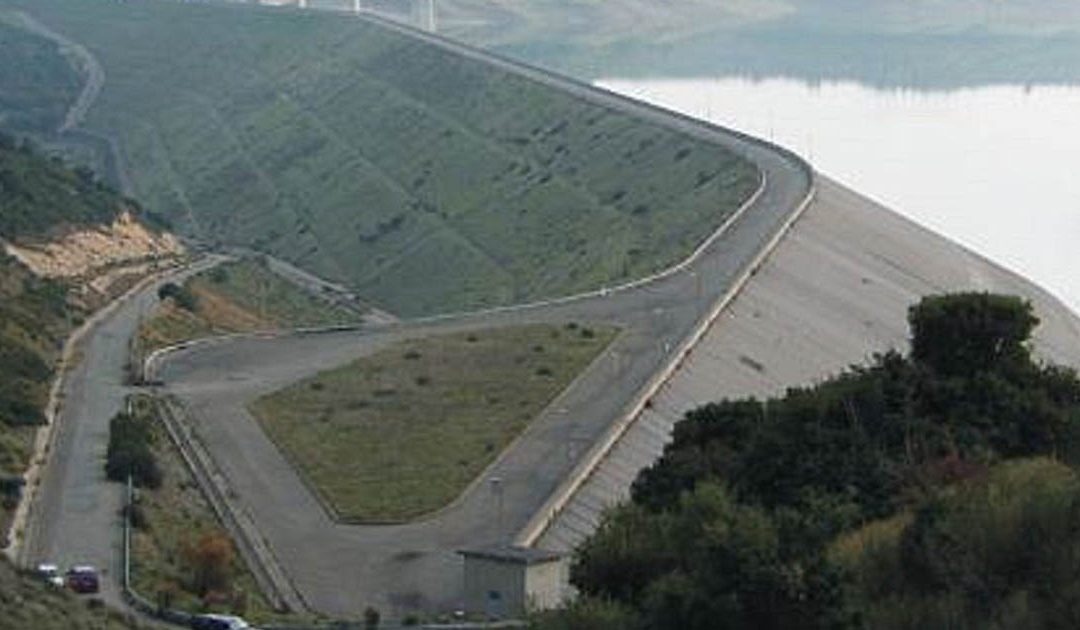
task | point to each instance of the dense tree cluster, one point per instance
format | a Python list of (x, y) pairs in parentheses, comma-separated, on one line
[(736, 525), (130, 452)]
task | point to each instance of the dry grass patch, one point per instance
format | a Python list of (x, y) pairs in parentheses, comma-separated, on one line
[(242, 296), (171, 522), (402, 433)]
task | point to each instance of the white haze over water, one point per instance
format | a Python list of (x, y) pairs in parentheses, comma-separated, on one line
[(996, 168)]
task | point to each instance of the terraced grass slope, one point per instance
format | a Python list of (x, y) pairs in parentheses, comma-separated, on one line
[(426, 181)]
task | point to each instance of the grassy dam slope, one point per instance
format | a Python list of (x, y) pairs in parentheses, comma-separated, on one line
[(427, 181)]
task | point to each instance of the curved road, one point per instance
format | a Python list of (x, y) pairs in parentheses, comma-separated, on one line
[(340, 569)]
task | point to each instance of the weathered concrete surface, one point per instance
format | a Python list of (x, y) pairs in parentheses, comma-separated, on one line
[(834, 292)]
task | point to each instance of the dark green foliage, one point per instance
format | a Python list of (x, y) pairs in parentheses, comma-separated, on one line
[(32, 321), (184, 298), (875, 432), (709, 562), (964, 333), (38, 194), (997, 551), (129, 452), (587, 614), (799, 471), (371, 618), (37, 84), (218, 275)]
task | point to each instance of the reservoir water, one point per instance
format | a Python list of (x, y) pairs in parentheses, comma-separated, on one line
[(995, 167)]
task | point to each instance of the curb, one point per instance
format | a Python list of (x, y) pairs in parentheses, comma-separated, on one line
[(272, 580), (561, 497)]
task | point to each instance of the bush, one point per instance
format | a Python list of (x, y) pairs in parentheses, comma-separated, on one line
[(183, 298), (586, 614), (210, 563), (129, 451), (1003, 546), (371, 618), (218, 275)]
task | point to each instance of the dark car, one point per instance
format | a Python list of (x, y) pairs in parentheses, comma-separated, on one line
[(218, 622), (83, 579)]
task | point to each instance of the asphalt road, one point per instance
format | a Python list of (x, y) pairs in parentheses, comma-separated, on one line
[(76, 516), (341, 569)]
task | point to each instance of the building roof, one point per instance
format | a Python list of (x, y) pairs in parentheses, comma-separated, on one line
[(508, 553)]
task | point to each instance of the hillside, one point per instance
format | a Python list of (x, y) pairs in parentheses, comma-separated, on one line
[(37, 196), (426, 181), (36, 82), (42, 197)]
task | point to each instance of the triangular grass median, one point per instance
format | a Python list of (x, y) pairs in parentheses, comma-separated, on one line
[(402, 433)]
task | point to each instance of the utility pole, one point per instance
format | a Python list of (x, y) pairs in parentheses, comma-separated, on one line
[(497, 492)]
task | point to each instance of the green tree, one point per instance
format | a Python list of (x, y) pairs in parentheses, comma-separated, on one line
[(962, 333)]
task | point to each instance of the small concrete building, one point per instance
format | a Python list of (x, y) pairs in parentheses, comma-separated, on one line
[(503, 582)]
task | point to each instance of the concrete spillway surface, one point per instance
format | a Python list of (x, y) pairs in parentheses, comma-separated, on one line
[(834, 292)]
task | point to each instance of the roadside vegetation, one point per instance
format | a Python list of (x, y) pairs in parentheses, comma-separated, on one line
[(182, 558), (240, 296), (26, 601), (132, 442), (932, 490), (423, 180), (403, 432), (37, 195)]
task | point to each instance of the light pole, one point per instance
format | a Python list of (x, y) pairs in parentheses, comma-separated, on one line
[(497, 492)]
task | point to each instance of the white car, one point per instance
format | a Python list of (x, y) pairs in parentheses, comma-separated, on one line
[(51, 574)]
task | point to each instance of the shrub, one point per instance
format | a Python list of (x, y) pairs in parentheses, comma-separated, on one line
[(129, 451), (371, 618), (183, 298), (210, 563), (218, 275)]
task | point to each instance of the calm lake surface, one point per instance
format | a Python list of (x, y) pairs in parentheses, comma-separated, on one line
[(995, 167)]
